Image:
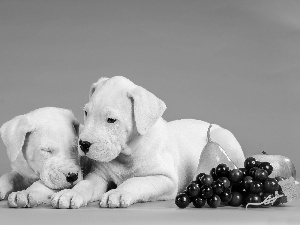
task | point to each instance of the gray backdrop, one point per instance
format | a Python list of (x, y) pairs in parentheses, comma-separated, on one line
[(234, 63)]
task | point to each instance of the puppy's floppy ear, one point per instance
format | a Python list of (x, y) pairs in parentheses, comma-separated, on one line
[(76, 126), (94, 85), (13, 134), (147, 108), (75, 123)]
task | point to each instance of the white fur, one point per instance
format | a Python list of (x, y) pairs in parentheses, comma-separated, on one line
[(42, 148), (147, 158)]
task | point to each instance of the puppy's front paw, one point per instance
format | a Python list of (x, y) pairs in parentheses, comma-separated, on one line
[(25, 199), (116, 198), (67, 199), (4, 192)]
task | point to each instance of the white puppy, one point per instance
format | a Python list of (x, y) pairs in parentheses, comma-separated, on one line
[(42, 148), (147, 158)]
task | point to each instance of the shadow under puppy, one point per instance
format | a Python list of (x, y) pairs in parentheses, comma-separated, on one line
[(148, 158), (42, 148)]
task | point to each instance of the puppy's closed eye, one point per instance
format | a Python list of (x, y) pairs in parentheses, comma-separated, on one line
[(47, 150), (111, 120)]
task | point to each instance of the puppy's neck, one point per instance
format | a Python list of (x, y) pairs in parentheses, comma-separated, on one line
[(137, 141)]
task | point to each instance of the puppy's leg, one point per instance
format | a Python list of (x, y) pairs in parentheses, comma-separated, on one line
[(140, 189), (229, 143), (10, 182), (33, 196), (88, 190)]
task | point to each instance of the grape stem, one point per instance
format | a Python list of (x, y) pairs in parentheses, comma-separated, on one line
[(268, 200)]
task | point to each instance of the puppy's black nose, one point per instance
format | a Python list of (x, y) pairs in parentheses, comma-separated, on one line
[(72, 177), (84, 146)]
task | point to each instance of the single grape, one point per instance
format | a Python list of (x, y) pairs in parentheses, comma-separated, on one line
[(267, 167), (238, 187), (182, 200), (193, 190), (252, 171), (213, 173), (244, 171), (236, 199), (235, 175), (253, 198), (261, 175), (222, 170), (218, 187), (226, 195), (207, 180), (199, 202), (244, 197), (206, 191), (256, 187), (271, 185), (198, 178), (278, 202), (249, 163), (246, 182), (257, 163), (214, 201), (225, 181)]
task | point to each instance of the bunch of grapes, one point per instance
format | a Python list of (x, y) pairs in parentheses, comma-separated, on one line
[(235, 187)]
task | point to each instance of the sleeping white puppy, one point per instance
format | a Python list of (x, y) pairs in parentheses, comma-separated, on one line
[(42, 148), (147, 158)]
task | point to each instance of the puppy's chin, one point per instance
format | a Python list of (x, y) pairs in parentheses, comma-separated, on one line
[(55, 182), (98, 153), (53, 176)]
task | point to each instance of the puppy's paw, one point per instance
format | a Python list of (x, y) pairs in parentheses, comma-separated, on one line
[(4, 192), (25, 199), (116, 198), (67, 199)]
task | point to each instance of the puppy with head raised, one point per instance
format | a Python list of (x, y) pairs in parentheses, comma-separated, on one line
[(42, 148), (131, 145)]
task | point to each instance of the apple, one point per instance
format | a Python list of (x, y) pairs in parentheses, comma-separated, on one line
[(282, 166)]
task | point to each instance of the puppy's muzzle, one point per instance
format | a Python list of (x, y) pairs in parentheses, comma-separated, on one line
[(84, 146)]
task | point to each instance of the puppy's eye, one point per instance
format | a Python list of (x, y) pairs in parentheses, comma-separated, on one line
[(47, 150), (85, 113), (111, 120)]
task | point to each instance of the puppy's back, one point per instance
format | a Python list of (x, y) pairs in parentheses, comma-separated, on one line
[(189, 137)]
